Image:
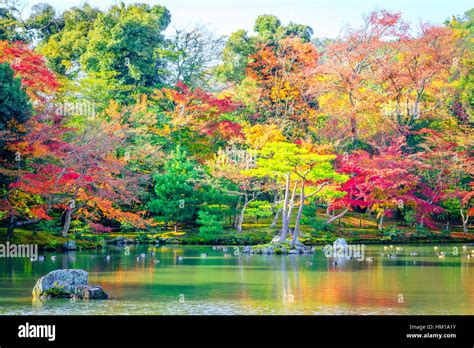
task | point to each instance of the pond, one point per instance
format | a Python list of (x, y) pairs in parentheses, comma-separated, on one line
[(225, 284)]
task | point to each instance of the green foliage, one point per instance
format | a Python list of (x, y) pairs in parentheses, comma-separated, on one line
[(44, 21), (211, 224), (177, 197), (120, 50), (236, 55), (278, 158), (65, 47), (422, 232), (409, 216), (462, 105), (143, 238), (80, 227), (259, 209), (50, 225), (125, 40), (314, 221), (14, 102), (292, 103), (393, 233), (451, 208), (9, 25)]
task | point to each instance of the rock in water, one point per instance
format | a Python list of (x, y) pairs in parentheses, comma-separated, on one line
[(65, 283), (339, 248), (70, 245), (90, 292), (340, 242)]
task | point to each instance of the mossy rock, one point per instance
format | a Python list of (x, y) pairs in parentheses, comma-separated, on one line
[(66, 283)]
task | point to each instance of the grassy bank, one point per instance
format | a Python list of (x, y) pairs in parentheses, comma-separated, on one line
[(355, 228), (44, 240)]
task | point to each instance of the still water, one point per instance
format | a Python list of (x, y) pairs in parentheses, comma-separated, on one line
[(219, 284)]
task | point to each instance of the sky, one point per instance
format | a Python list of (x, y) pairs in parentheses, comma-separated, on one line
[(326, 17)]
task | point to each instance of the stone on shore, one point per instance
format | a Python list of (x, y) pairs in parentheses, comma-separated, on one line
[(70, 245)]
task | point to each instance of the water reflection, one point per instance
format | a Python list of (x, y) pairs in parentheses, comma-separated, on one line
[(153, 280)]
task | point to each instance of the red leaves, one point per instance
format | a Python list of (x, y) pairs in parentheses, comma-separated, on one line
[(30, 67), (40, 213), (386, 180), (202, 112), (385, 19), (62, 169), (70, 176), (99, 228), (225, 129)]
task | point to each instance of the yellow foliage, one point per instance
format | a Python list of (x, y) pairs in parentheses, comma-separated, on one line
[(258, 135)]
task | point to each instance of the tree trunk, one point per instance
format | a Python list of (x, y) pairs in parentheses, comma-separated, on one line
[(381, 221), (236, 215), (284, 227), (369, 214), (298, 217), (11, 227), (67, 222), (275, 219), (353, 127), (241, 216), (464, 220), (334, 218), (275, 200), (292, 204)]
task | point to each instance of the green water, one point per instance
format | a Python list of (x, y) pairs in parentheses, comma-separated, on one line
[(251, 284)]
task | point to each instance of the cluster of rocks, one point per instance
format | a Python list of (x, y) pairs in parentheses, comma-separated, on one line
[(128, 241), (121, 241), (278, 249), (67, 283)]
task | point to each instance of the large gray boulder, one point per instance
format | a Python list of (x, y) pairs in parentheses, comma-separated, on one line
[(66, 283)]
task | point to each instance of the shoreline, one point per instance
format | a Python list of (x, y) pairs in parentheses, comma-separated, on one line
[(46, 241)]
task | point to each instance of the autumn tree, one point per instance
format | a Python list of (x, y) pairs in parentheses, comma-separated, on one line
[(241, 45), (308, 170), (30, 67), (282, 77), (448, 169), (417, 70), (385, 181), (197, 120), (350, 64), (75, 172)]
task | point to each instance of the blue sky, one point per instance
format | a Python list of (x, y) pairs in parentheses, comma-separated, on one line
[(326, 17)]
